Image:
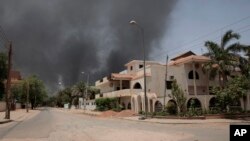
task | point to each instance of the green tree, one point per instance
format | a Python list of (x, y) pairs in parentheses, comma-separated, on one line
[(17, 92), (51, 101), (37, 91), (79, 90), (179, 97), (223, 57), (92, 91), (63, 97), (235, 90), (3, 73)]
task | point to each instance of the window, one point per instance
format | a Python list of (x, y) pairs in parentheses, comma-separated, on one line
[(101, 80), (140, 66), (131, 67), (137, 86), (191, 75), (169, 84), (171, 77)]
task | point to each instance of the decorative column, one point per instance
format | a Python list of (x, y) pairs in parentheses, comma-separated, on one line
[(194, 79)]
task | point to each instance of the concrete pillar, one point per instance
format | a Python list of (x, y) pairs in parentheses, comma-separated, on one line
[(120, 84), (194, 79)]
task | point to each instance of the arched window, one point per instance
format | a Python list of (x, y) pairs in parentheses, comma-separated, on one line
[(191, 75), (158, 106), (137, 86)]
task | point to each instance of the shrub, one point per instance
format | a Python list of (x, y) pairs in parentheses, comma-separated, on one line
[(104, 104), (171, 108), (194, 112)]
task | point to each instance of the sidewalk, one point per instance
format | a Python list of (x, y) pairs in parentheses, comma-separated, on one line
[(157, 120), (18, 115), (185, 121)]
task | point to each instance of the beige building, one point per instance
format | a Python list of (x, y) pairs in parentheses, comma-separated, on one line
[(186, 69)]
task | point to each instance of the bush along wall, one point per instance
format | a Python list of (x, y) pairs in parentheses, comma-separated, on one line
[(104, 104)]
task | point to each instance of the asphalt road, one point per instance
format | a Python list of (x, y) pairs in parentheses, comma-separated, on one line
[(56, 125)]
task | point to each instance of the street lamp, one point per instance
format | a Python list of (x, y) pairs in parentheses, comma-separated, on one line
[(86, 90), (133, 22)]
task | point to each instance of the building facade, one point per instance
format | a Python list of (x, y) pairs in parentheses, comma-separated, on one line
[(186, 69)]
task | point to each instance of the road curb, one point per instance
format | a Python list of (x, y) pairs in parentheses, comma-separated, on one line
[(6, 121), (159, 122)]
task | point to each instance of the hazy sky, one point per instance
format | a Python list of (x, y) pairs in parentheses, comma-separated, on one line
[(192, 22), (59, 39)]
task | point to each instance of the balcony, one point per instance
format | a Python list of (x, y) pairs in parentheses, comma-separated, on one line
[(120, 93)]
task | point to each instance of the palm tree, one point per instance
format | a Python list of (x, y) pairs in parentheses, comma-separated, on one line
[(223, 56), (78, 90)]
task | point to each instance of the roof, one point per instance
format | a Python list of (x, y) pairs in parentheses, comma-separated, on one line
[(141, 61), (189, 53), (192, 58)]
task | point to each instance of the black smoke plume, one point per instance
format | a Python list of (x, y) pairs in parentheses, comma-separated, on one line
[(61, 38)]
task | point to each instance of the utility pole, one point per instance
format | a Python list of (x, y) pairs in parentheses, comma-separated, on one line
[(86, 92), (27, 95), (166, 77), (7, 92)]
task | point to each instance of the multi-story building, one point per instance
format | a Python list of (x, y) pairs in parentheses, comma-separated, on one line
[(186, 69)]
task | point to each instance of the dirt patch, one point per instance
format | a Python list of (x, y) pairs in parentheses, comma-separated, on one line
[(125, 113), (108, 113)]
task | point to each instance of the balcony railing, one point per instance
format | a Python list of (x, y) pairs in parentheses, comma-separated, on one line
[(120, 93)]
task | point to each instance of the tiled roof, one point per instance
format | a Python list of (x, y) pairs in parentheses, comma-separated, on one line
[(189, 53), (141, 61), (191, 58)]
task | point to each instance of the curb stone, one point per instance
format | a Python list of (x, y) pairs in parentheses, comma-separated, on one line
[(5, 121)]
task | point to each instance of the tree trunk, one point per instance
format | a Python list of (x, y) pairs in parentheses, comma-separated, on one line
[(220, 83), (224, 76)]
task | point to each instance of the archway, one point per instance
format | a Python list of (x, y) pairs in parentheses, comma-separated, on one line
[(123, 106), (158, 106), (129, 106), (137, 86), (191, 75), (172, 107), (212, 102), (193, 103)]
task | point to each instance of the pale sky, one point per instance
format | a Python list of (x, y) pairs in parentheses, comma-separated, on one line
[(195, 21)]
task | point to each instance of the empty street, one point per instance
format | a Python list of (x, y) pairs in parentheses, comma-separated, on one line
[(61, 125)]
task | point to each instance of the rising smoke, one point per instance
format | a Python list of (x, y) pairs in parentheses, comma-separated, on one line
[(65, 37)]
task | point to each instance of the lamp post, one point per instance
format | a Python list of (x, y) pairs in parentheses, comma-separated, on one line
[(132, 22), (86, 90)]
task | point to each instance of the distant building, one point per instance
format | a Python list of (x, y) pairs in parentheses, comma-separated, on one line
[(15, 77), (186, 69)]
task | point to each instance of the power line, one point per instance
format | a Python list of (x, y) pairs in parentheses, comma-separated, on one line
[(201, 37), (200, 44)]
